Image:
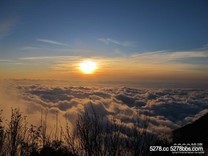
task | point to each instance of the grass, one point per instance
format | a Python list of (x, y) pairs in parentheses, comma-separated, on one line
[(92, 135)]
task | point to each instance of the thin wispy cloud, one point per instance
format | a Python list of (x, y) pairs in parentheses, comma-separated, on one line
[(11, 62), (5, 60), (5, 26), (52, 42), (108, 41), (30, 48), (49, 57), (205, 46), (158, 57), (167, 56)]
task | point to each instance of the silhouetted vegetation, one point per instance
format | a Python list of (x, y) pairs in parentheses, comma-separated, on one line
[(92, 135)]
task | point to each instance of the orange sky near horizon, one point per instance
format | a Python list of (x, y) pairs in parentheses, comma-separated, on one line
[(108, 69)]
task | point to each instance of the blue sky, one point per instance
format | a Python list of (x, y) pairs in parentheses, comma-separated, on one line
[(104, 28)]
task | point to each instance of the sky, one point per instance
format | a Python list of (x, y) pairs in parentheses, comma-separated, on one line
[(130, 40)]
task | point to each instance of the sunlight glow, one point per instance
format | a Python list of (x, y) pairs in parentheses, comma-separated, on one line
[(88, 67)]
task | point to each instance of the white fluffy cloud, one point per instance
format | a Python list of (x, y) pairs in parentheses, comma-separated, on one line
[(166, 109)]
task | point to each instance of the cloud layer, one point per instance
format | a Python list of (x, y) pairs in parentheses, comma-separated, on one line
[(166, 109)]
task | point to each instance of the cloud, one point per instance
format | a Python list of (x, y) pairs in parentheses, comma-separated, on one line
[(50, 58), (6, 26), (29, 48), (160, 61), (55, 63), (52, 42), (161, 57), (165, 109), (5, 60), (107, 41), (61, 63)]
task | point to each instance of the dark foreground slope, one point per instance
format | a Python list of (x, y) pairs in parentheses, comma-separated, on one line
[(196, 132)]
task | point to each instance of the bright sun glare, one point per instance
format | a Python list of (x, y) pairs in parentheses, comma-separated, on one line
[(88, 67)]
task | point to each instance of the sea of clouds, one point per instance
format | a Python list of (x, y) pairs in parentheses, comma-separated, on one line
[(166, 109)]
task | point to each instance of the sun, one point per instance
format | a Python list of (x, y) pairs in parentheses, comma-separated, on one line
[(88, 67)]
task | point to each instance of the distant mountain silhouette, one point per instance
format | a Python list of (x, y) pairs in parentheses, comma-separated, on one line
[(196, 132)]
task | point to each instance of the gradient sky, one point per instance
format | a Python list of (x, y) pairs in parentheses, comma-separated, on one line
[(129, 39)]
